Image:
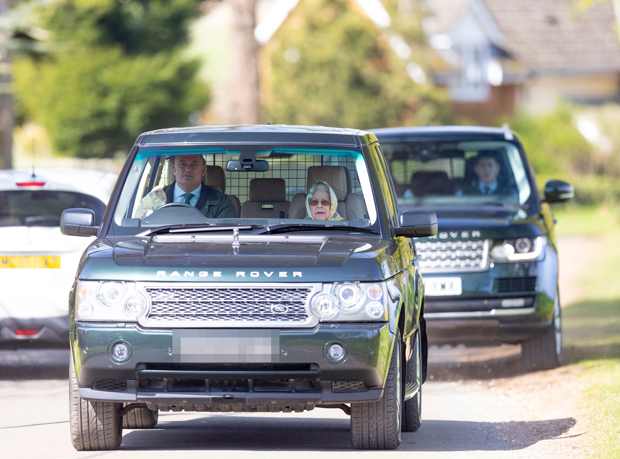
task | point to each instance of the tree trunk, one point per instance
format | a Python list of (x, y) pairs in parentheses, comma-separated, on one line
[(6, 97), (244, 101)]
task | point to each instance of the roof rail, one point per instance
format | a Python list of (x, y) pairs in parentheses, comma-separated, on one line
[(507, 132)]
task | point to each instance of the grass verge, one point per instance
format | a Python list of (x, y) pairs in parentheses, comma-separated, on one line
[(592, 329)]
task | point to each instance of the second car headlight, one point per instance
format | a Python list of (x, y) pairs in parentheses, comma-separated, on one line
[(110, 302), (521, 249)]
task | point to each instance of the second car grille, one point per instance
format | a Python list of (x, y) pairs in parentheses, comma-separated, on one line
[(452, 256), (228, 304)]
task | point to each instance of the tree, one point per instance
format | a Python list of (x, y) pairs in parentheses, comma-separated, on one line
[(244, 91), (329, 64), (116, 69), (6, 98)]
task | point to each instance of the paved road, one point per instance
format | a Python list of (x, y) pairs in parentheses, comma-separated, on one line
[(462, 418)]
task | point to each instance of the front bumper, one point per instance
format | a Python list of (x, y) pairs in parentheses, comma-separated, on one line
[(508, 303), (301, 377), (37, 333)]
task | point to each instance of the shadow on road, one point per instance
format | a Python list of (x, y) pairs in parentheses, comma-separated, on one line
[(34, 364), (242, 433)]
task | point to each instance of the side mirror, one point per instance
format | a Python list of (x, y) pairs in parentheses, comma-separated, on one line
[(417, 223), (78, 222), (558, 191)]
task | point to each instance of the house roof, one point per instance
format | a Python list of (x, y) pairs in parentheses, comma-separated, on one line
[(550, 36)]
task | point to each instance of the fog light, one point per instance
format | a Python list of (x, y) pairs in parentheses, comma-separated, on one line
[(120, 352), (513, 303), (336, 353)]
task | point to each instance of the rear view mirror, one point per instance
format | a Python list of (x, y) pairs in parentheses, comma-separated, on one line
[(558, 191), (259, 165), (78, 222), (417, 223)]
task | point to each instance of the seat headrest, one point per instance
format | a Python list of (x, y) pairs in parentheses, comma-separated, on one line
[(430, 182), (214, 177), (335, 176), (267, 190)]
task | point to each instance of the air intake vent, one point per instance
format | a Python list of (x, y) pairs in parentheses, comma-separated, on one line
[(515, 284), (111, 385), (349, 386)]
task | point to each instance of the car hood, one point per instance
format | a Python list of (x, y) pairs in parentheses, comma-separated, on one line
[(261, 258), (489, 222)]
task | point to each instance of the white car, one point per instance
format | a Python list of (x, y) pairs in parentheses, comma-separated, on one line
[(37, 262)]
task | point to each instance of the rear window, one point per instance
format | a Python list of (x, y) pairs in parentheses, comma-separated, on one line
[(43, 207)]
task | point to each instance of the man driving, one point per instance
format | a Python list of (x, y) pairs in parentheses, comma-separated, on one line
[(188, 188), (487, 169)]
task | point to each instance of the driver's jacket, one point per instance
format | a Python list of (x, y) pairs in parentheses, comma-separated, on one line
[(212, 203)]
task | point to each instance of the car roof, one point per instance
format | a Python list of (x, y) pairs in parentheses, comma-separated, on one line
[(445, 133), (92, 182), (264, 133)]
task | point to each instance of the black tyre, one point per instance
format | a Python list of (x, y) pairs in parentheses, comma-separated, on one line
[(95, 426), (140, 418), (376, 425), (412, 408), (544, 352)]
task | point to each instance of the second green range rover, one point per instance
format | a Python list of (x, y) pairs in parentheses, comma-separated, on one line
[(250, 268)]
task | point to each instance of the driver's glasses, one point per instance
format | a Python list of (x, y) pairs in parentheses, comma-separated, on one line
[(323, 202)]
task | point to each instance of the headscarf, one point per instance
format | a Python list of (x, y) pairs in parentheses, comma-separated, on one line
[(333, 212)]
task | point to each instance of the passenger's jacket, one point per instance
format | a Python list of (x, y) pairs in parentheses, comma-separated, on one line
[(212, 203)]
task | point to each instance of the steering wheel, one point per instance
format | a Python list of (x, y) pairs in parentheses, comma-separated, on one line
[(176, 212)]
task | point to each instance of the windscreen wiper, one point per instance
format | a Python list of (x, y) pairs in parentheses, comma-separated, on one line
[(285, 228), (198, 228)]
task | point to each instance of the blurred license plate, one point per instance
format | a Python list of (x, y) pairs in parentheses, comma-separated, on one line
[(225, 346), (29, 262), (443, 286)]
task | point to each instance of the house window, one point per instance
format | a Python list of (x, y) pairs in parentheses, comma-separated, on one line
[(471, 84)]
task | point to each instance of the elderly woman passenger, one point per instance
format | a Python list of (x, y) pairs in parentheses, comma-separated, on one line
[(321, 203)]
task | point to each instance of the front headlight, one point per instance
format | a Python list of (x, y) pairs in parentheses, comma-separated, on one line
[(351, 302), (522, 249), (110, 302)]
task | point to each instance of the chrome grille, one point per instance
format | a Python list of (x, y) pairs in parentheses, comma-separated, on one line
[(453, 256), (199, 305)]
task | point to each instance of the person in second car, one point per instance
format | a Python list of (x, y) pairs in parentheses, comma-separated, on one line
[(321, 203), (188, 189), (488, 181)]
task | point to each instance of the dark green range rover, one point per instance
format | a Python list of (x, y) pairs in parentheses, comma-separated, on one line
[(491, 273), (249, 268)]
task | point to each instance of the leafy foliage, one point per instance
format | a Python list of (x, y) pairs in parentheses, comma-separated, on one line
[(329, 64), (113, 73), (554, 144)]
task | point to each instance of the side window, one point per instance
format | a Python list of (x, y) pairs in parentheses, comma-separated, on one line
[(388, 188)]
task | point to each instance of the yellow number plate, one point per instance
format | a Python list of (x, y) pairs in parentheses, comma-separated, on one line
[(29, 262)]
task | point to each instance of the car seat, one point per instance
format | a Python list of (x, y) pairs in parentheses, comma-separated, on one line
[(430, 183), (267, 199)]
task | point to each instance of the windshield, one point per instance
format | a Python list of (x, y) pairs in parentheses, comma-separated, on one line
[(222, 188), (458, 174), (43, 207)]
